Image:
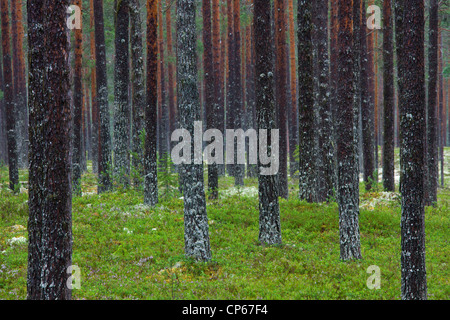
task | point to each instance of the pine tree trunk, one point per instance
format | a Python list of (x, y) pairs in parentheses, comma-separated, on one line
[(409, 29), (20, 88), (95, 125), (78, 110), (388, 98), (138, 86), (196, 227), (347, 192), (50, 200), (121, 103), (150, 159), (211, 91), (367, 106), (325, 171), (104, 153), (307, 161), (269, 210), (281, 91), (293, 115), (8, 88)]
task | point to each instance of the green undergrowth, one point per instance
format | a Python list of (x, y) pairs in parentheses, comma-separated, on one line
[(126, 250)]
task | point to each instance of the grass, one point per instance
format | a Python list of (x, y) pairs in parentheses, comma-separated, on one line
[(126, 250)]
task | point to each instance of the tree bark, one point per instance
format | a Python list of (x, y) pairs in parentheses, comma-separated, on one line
[(347, 192), (104, 153), (150, 159), (307, 161), (78, 109), (138, 86), (196, 227), (121, 99), (281, 91), (388, 98), (269, 210), (20, 88), (8, 88), (50, 200), (409, 29)]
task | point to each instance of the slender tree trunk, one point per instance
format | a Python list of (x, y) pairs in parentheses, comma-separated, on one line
[(441, 106), (334, 56), (347, 192), (20, 88), (138, 86), (367, 107), (150, 159), (307, 168), (211, 91), (95, 124), (325, 171), (171, 89), (121, 99), (281, 91), (388, 98), (196, 227), (293, 115), (50, 199), (3, 139), (8, 98), (269, 210), (104, 144), (410, 52), (78, 109)]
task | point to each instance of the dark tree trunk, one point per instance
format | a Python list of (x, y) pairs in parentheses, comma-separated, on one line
[(211, 91), (325, 152), (348, 191), (151, 110), (410, 53), (307, 160), (50, 200), (388, 98), (269, 210), (95, 125), (367, 106), (293, 112), (78, 109), (121, 99), (8, 98), (138, 85), (431, 178), (20, 88), (281, 91), (196, 227), (104, 153)]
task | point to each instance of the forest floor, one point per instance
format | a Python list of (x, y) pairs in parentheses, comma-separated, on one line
[(125, 250)]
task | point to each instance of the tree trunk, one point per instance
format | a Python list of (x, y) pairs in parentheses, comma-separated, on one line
[(211, 92), (281, 91), (78, 109), (50, 199), (388, 98), (20, 88), (307, 161), (121, 103), (95, 124), (269, 210), (150, 159), (8, 98), (104, 153), (196, 227), (138, 86), (410, 52), (325, 152), (347, 192), (367, 106)]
